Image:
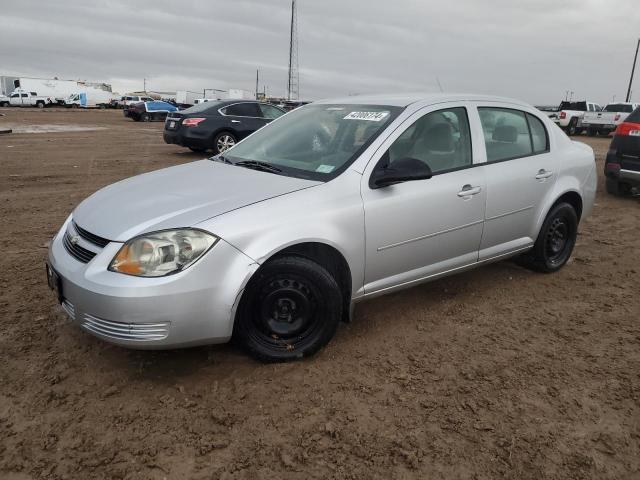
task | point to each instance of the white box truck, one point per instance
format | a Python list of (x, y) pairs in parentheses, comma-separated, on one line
[(185, 98), (89, 98), (239, 94), (54, 88)]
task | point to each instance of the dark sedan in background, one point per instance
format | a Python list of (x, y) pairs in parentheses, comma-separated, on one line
[(622, 165), (148, 111), (217, 125)]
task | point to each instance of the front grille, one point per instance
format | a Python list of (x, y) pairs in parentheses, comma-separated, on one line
[(76, 251), (90, 237), (69, 308), (126, 331)]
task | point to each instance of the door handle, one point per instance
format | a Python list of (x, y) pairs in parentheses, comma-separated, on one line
[(235, 121), (542, 174), (468, 191)]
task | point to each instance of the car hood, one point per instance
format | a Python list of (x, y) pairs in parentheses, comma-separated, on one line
[(177, 197)]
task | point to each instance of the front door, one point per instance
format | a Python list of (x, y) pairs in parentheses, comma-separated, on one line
[(418, 229)]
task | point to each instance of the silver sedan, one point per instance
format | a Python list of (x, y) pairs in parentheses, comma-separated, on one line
[(275, 241)]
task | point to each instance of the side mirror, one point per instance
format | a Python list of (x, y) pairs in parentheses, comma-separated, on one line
[(402, 170)]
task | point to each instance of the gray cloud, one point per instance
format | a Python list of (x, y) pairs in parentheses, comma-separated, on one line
[(534, 50)]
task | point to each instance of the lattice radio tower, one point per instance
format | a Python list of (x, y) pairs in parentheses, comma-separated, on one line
[(293, 83)]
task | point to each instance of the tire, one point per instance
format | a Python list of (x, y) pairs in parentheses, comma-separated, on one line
[(555, 241), (197, 150), (572, 128), (290, 309), (40, 104), (74, 105), (145, 117), (592, 132), (617, 188), (223, 141)]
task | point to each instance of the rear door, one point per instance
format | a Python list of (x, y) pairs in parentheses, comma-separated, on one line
[(243, 118), (520, 171)]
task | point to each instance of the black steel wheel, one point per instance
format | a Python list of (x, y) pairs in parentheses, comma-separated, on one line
[(572, 128), (289, 310), (555, 241)]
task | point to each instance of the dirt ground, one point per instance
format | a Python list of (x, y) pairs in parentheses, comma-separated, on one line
[(494, 373)]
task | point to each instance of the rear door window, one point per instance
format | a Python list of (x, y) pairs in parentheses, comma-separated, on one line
[(506, 133), (248, 109)]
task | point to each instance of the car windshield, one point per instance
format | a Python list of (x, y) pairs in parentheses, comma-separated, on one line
[(317, 141)]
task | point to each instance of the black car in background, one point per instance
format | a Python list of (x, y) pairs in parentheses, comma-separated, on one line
[(148, 111), (622, 165), (217, 125)]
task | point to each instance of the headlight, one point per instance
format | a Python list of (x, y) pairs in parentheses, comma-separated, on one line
[(162, 253)]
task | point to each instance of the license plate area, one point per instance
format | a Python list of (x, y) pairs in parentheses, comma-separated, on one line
[(54, 282)]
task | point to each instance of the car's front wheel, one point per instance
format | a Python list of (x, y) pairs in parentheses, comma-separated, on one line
[(289, 310), (223, 141), (555, 241)]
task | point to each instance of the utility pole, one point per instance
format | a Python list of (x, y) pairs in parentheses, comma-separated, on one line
[(257, 78), (144, 82), (293, 81), (633, 69)]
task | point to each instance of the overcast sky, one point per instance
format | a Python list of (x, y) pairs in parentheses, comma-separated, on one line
[(534, 50)]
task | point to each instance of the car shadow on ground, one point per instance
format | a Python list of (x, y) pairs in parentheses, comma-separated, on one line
[(372, 318)]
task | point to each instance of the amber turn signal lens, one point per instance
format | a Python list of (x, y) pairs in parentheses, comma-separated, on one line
[(124, 263)]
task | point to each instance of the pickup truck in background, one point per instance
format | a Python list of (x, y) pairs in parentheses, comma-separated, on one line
[(606, 121), (570, 114), (20, 98)]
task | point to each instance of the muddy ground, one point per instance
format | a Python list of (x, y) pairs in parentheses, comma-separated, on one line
[(494, 373)]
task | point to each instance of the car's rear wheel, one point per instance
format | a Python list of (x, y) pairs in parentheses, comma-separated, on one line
[(572, 128), (40, 104), (289, 310), (223, 141), (555, 241), (614, 187), (146, 117), (592, 132)]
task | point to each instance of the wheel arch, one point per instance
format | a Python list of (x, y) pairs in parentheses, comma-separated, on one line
[(325, 255)]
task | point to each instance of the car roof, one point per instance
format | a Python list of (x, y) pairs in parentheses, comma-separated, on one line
[(403, 100)]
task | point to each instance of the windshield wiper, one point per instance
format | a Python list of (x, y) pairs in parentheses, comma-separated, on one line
[(256, 165), (220, 158)]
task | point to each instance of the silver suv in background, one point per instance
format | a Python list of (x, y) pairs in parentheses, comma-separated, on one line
[(276, 239)]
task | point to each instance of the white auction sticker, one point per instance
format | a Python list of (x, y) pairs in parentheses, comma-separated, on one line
[(369, 116), (325, 168)]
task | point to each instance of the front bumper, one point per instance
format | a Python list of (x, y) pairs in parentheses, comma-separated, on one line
[(193, 307)]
